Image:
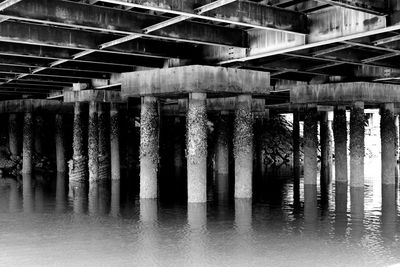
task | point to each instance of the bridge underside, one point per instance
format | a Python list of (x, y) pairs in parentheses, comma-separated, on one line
[(233, 60), (48, 46)]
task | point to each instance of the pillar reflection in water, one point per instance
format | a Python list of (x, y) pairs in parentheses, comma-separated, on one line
[(39, 193), (389, 212), (341, 189), (148, 235), (14, 203), (115, 198), (243, 215), (196, 234), (104, 197), (61, 192), (28, 193), (222, 187), (357, 213), (78, 192), (310, 208)]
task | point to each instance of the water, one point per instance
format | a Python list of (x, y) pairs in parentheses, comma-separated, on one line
[(44, 224)]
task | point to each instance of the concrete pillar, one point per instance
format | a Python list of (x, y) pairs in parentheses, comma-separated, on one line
[(243, 147), (197, 148), (310, 145), (13, 135), (296, 156), (326, 151), (357, 150), (103, 143), (114, 142), (259, 153), (340, 135), (178, 147), (38, 130), (60, 145), (222, 145), (93, 138), (78, 164), (27, 160), (388, 142), (149, 147)]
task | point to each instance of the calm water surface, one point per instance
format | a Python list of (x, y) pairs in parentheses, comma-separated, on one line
[(44, 224)]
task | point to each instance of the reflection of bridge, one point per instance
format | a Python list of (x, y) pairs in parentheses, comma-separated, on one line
[(198, 58)]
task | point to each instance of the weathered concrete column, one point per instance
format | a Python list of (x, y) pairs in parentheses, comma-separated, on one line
[(114, 142), (357, 150), (13, 135), (388, 142), (310, 145), (78, 164), (326, 151), (222, 147), (38, 131), (27, 147), (103, 145), (149, 147), (93, 138), (243, 147), (60, 145), (340, 135), (296, 156), (197, 148)]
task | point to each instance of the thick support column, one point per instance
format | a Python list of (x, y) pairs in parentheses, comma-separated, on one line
[(103, 145), (243, 147), (114, 142), (38, 130), (149, 147), (197, 148), (222, 147), (27, 147), (60, 145), (326, 151), (13, 135), (340, 135), (357, 150), (93, 138), (78, 164), (296, 156), (310, 146), (388, 142)]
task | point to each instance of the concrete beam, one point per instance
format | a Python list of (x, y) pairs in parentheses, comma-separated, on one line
[(378, 7), (37, 105), (33, 34), (242, 13), (341, 93), (194, 79), (118, 22), (213, 105), (92, 95), (335, 22)]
